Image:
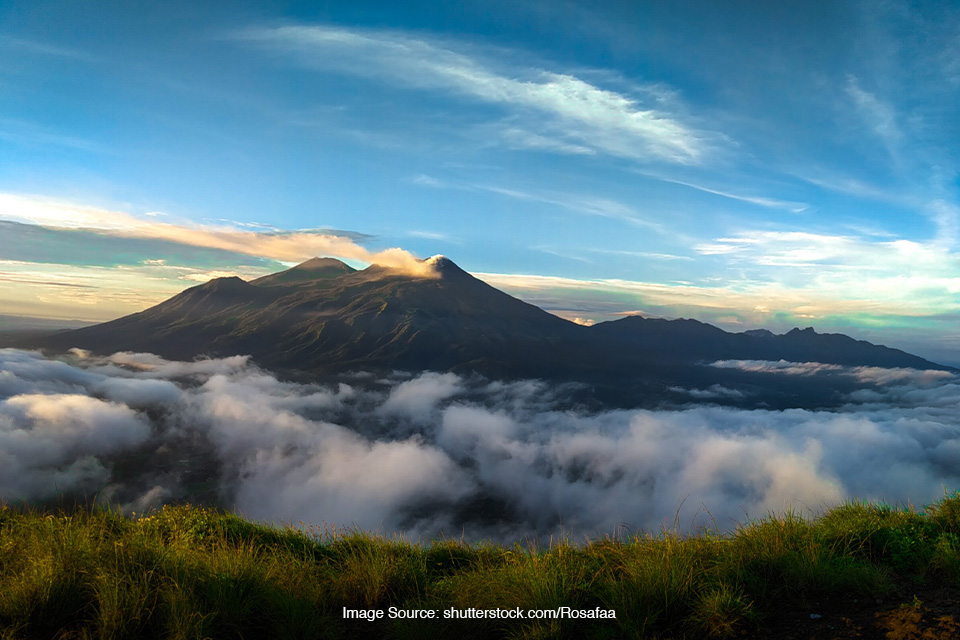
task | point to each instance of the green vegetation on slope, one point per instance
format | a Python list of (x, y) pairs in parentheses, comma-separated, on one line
[(187, 572)]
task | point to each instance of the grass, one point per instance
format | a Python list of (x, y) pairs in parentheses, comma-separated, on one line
[(188, 572)]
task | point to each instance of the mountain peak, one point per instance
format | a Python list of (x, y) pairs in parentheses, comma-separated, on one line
[(444, 266), (313, 269), (322, 263), (229, 283)]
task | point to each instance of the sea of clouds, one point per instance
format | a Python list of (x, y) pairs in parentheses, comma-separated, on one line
[(434, 454)]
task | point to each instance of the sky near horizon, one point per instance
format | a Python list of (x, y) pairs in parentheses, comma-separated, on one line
[(751, 165)]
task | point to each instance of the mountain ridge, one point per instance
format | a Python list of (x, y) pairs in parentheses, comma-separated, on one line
[(323, 317)]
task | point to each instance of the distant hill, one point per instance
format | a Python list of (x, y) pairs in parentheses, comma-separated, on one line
[(27, 329), (692, 340), (30, 323), (323, 317)]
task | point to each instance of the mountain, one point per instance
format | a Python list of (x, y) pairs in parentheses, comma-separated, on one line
[(692, 340), (323, 317)]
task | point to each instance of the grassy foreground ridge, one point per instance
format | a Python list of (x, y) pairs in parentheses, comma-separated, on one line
[(189, 572)]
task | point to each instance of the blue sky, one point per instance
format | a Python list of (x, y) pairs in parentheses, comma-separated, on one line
[(758, 165)]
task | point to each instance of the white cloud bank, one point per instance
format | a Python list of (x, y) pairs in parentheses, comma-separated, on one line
[(438, 453)]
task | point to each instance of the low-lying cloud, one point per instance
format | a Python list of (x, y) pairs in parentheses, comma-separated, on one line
[(441, 454), (875, 375)]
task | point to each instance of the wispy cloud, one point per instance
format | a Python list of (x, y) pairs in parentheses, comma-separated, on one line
[(428, 181), (878, 115), (43, 48), (854, 187), (643, 254), (13, 277), (293, 246), (518, 138), (31, 134), (433, 235), (924, 197), (559, 111), (946, 217), (97, 292), (83, 293), (949, 60), (579, 203), (789, 248), (575, 202), (760, 201), (560, 254), (843, 252)]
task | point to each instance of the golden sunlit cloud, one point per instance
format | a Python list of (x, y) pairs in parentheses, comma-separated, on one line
[(295, 246)]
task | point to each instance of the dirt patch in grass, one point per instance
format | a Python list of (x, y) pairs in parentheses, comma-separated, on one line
[(915, 614)]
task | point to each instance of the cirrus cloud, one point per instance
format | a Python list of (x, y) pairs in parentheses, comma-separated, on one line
[(560, 111)]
